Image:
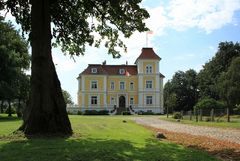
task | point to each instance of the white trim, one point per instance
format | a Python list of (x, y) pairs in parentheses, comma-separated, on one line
[(93, 89), (93, 70), (123, 84)]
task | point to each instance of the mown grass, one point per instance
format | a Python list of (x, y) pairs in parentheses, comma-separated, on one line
[(234, 123), (96, 138)]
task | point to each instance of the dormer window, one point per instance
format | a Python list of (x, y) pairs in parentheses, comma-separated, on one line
[(93, 70), (121, 71)]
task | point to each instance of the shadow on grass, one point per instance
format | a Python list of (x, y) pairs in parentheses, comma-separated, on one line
[(8, 119), (71, 149)]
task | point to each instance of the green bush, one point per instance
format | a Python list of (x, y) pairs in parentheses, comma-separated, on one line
[(126, 113), (149, 112), (103, 112), (90, 112), (95, 112), (79, 113), (209, 103), (177, 115)]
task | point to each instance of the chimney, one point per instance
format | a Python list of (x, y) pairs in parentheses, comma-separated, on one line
[(104, 62)]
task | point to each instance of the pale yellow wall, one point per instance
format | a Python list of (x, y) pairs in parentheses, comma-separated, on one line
[(80, 99), (153, 64), (118, 79), (152, 78), (99, 79)]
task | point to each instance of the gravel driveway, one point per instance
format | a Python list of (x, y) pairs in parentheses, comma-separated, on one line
[(231, 135)]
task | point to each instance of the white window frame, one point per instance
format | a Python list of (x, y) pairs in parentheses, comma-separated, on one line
[(112, 101), (131, 101), (94, 82), (121, 71), (148, 84), (94, 100), (112, 85), (131, 86), (93, 70), (149, 100), (121, 84), (149, 69)]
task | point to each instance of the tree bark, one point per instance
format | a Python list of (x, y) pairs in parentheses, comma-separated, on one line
[(46, 113)]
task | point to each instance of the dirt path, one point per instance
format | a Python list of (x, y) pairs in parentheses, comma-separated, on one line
[(230, 135)]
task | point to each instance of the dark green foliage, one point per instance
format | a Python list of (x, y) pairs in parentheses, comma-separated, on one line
[(75, 27), (79, 112), (181, 93), (126, 113), (95, 112), (212, 70), (177, 115), (209, 103), (14, 59), (229, 84), (149, 112), (67, 97)]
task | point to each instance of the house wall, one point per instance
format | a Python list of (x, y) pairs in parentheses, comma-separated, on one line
[(139, 92)]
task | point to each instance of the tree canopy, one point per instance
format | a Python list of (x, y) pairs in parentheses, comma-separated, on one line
[(14, 59), (218, 81), (77, 23)]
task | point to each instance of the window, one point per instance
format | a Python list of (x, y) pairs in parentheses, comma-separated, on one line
[(122, 85), (94, 85), (121, 71), (93, 100), (131, 101), (148, 69), (148, 84), (112, 101), (93, 70), (131, 86), (149, 100), (112, 85)]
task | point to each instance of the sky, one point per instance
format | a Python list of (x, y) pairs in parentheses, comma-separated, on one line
[(186, 34)]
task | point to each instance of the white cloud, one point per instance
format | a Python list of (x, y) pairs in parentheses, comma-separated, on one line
[(208, 15)]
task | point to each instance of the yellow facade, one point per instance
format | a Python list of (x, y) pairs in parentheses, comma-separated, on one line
[(130, 86)]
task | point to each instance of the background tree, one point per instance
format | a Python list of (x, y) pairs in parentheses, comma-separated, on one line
[(67, 97), (181, 92), (72, 31), (212, 70), (229, 84), (14, 59)]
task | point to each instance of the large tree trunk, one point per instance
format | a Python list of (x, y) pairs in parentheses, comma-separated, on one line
[(46, 113)]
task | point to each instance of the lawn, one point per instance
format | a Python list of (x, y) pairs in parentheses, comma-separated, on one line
[(96, 138), (234, 123)]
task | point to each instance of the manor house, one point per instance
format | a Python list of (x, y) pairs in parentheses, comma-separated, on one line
[(117, 88)]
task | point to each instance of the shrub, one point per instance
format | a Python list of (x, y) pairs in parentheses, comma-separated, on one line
[(103, 112), (209, 103), (90, 112), (148, 112), (95, 112), (177, 115), (79, 113), (126, 113)]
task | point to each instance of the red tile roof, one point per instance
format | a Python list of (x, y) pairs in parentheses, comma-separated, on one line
[(110, 69), (148, 53)]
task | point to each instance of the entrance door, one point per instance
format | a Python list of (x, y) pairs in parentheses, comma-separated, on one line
[(122, 101)]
